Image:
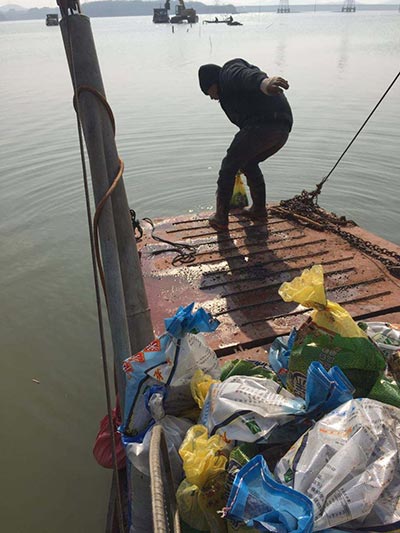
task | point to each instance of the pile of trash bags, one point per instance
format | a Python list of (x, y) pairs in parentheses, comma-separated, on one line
[(308, 441)]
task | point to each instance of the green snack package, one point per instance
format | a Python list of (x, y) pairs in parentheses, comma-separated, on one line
[(385, 391), (242, 454), (239, 456), (357, 357), (242, 367)]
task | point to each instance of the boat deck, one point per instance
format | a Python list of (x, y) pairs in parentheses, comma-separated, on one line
[(236, 276)]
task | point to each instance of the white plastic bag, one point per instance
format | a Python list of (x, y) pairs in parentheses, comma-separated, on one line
[(385, 335), (348, 465), (174, 430), (171, 359), (248, 408), (183, 357)]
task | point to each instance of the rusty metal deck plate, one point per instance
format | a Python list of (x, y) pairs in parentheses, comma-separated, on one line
[(236, 276)]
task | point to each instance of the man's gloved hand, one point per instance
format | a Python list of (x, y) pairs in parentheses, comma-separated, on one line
[(274, 85)]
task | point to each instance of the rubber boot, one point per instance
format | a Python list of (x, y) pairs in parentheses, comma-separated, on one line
[(258, 210), (220, 219)]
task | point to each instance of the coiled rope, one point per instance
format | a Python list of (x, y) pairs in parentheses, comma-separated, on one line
[(186, 253)]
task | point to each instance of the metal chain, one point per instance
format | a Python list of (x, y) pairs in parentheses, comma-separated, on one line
[(320, 185), (303, 208), (137, 228)]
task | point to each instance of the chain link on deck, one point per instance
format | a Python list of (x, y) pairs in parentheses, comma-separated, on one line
[(304, 209), (137, 228)]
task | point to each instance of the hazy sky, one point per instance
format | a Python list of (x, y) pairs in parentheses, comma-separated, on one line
[(53, 4)]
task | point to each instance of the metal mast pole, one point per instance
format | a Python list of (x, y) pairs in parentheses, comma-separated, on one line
[(128, 311)]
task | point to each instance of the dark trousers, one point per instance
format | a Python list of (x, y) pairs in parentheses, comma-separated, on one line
[(250, 146)]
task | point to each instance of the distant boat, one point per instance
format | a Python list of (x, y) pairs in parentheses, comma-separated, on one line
[(229, 21), (214, 21), (160, 15), (52, 19)]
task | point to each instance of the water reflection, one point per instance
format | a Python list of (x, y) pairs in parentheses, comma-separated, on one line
[(280, 52), (343, 50)]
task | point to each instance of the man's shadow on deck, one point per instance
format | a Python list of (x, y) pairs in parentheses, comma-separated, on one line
[(249, 283)]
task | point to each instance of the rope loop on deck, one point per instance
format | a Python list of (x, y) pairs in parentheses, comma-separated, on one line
[(186, 253)]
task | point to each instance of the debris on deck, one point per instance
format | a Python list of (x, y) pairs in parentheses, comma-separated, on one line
[(277, 394)]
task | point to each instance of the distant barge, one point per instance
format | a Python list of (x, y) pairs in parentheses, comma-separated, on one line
[(52, 19)]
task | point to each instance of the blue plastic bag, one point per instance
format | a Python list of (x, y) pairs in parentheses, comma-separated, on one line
[(326, 390), (170, 359), (279, 354), (253, 409), (258, 501)]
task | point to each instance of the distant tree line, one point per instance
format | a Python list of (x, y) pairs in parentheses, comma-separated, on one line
[(115, 8), (127, 8)]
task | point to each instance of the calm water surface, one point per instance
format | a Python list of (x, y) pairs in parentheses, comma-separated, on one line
[(172, 139)]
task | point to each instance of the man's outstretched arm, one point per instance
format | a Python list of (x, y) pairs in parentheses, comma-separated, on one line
[(274, 85)]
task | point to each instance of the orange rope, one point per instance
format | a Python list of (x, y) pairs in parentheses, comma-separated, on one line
[(110, 190), (95, 92), (96, 218)]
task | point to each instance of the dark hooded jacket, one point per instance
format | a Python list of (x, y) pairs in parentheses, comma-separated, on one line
[(243, 102)]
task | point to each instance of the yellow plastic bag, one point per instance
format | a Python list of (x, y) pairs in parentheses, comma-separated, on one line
[(203, 458), (239, 196), (201, 495), (190, 510), (199, 508), (308, 290), (199, 385)]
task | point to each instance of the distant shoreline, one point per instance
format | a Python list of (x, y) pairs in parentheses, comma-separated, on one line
[(123, 8)]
